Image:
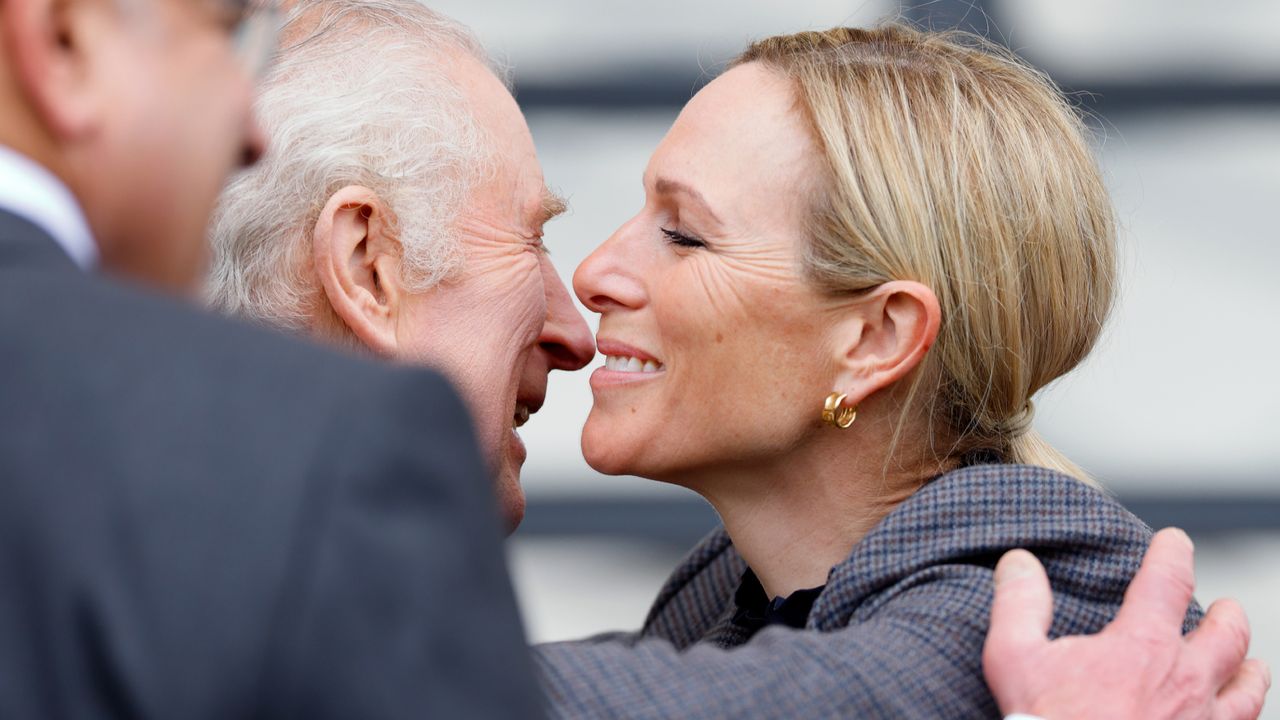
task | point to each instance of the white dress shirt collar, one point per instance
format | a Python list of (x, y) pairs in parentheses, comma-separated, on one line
[(28, 190)]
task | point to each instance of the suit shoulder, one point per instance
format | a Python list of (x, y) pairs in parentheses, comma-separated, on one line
[(137, 385), (100, 330)]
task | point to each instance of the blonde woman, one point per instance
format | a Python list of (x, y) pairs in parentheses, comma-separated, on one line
[(862, 254)]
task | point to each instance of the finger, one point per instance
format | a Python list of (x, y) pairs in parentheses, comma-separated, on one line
[(1243, 696), (1158, 597), (1023, 605), (1221, 642)]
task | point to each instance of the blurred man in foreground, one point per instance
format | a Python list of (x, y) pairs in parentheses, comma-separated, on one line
[(401, 210), (189, 527)]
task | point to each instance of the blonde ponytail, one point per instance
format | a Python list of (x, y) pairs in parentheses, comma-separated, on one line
[(1031, 448)]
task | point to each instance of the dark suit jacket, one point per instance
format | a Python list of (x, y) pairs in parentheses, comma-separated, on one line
[(896, 633), (200, 519)]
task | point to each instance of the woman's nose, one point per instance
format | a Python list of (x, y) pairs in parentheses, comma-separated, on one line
[(609, 278), (565, 338)]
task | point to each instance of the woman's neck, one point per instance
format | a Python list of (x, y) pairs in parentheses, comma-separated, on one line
[(796, 519)]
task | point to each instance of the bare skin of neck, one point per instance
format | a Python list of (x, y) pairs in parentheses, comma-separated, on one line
[(797, 516)]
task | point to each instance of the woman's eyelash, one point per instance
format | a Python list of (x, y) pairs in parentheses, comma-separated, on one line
[(677, 238)]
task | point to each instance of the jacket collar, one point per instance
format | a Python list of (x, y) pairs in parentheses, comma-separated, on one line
[(30, 191), (971, 516), (25, 244), (963, 518)]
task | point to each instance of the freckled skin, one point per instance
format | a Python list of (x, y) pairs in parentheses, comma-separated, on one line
[(743, 338)]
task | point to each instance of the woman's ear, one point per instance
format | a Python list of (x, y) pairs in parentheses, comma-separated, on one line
[(357, 259), (885, 337)]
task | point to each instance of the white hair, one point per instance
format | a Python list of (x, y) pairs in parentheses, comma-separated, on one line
[(356, 96)]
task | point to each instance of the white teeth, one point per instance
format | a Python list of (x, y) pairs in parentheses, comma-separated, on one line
[(521, 417), (619, 363)]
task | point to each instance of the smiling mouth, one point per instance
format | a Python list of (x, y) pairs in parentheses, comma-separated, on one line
[(622, 363)]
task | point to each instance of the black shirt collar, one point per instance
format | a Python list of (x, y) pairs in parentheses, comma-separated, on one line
[(756, 610)]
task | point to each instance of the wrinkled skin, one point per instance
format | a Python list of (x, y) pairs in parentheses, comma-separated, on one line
[(507, 320)]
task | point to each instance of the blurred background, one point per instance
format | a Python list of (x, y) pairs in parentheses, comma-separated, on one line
[(1178, 412)]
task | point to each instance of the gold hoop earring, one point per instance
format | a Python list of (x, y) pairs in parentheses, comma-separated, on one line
[(841, 417)]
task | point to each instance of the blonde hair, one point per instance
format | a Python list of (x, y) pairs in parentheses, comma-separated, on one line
[(952, 163)]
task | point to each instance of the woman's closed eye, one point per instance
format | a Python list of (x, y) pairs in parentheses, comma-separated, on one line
[(682, 240)]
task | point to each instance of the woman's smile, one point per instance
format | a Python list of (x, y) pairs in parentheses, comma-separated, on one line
[(624, 364)]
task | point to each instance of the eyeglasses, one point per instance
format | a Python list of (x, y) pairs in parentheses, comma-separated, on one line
[(255, 36)]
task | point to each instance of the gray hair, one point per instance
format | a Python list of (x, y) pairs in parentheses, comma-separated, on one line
[(353, 98)]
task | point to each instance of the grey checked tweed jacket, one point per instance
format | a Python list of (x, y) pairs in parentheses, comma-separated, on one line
[(896, 633)]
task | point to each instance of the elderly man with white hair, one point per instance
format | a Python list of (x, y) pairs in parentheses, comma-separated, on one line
[(400, 210)]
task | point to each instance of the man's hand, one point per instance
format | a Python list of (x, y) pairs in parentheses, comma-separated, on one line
[(1139, 666)]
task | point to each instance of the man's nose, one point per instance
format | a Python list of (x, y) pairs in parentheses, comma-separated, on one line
[(565, 339)]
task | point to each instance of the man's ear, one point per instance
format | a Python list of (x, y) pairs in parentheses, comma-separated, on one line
[(357, 259), (886, 335), (52, 49)]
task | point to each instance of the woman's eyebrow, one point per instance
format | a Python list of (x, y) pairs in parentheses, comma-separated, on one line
[(667, 186)]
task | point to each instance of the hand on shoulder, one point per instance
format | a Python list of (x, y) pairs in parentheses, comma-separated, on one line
[(1139, 666)]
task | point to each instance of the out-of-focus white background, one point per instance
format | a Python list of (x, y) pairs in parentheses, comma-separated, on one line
[(1178, 409)]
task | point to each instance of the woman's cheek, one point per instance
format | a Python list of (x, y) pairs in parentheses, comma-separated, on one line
[(704, 296)]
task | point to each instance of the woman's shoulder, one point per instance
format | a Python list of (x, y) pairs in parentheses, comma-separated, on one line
[(990, 507), (939, 548), (977, 510)]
